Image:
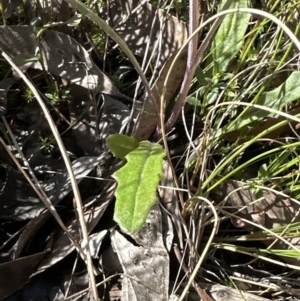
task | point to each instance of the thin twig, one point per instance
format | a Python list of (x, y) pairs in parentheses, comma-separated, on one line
[(207, 246), (190, 70), (201, 292)]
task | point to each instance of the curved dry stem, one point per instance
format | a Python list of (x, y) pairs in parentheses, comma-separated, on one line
[(68, 165), (209, 242)]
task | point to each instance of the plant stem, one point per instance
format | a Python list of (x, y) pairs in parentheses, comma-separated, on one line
[(190, 67)]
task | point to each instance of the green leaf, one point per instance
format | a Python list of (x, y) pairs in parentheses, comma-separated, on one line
[(137, 184), (120, 145), (22, 59), (263, 171), (74, 21), (229, 37), (275, 99), (193, 101), (200, 75)]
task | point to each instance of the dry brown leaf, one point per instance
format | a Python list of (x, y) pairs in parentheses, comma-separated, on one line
[(148, 119), (62, 56), (62, 245), (273, 211), (16, 273), (270, 212), (225, 293), (55, 11), (146, 267), (94, 120), (141, 24), (220, 293), (33, 226), (18, 199)]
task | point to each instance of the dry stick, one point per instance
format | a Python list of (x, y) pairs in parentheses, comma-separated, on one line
[(193, 60), (188, 76), (192, 49), (192, 52), (85, 240)]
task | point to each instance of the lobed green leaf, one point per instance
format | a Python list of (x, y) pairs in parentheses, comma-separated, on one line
[(137, 184)]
